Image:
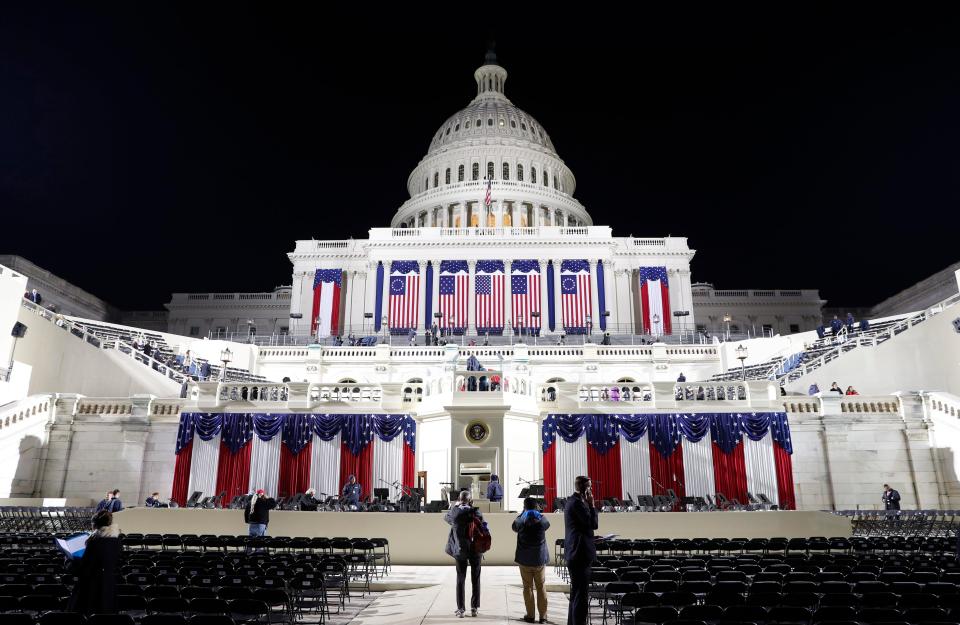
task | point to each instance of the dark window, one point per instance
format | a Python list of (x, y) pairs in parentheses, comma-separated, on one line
[(735, 329), (520, 173), (460, 173), (794, 328), (489, 121), (456, 128), (523, 126), (448, 130), (446, 178), (533, 175), (436, 179), (556, 185), (506, 171), (475, 174), (513, 123), (194, 330), (490, 171), (466, 124)]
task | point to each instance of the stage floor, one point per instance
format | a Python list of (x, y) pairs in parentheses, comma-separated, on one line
[(419, 539)]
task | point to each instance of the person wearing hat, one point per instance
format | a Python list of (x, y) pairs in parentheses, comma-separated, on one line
[(351, 492), (96, 571), (257, 514)]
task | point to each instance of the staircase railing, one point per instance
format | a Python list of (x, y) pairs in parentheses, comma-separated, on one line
[(868, 339)]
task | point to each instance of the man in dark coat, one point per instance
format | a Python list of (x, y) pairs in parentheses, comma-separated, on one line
[(106, 502), (96, 571), (459, 516), (532, 555), (309, 503), (580, 519), (495, 489), (836, 325), (351, 492), (115, 504), (891, 498)]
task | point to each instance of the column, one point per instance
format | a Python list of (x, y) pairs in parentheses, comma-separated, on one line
[(435, 291), (594, 296), (507, 296), (421, 295), (557, 299), (463, 215), (544, 307), (471, 298), (347, 319), (370, 297), (386, 293)]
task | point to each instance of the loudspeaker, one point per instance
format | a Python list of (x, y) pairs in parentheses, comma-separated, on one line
[(19, 330)]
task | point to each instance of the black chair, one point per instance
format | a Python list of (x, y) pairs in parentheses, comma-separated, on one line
[(249, 611), (49, 618), (745, 613), (879, 600), (203, 606), (656, 615), (701, 613), (764, 599), (278, 600), (110, 619), (724, 599), (801, 600), (879, 615), (210, 619), (835, 613), (789, 614), (198, 592), (678, 599), (168, 605)]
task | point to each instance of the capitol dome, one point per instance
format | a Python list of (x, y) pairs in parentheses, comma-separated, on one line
[(493, 139)]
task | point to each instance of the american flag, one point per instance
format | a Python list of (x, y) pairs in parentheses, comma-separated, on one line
[(454, 290), (488, 198), (575, 296), (489, 289), (404, 294), (410, 433), (525, 293)]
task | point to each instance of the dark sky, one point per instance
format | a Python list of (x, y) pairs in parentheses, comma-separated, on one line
[(150, 150)]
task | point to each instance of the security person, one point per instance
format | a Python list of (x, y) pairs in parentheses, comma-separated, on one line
[(351, 492)]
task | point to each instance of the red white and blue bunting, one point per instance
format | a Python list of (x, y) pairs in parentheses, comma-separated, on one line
[(692, 454), (286, 454)]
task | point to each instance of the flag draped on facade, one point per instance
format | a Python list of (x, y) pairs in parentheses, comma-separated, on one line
[(576, 299), (655, 300), (692, 454), (454, 291), (525, 295), (404, 295), (489, 289), (285, 454), (325, 319)]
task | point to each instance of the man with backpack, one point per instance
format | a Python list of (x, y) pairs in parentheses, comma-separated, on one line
[(469, 539)]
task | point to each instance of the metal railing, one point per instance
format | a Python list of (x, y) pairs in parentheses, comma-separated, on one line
[(867, 339)]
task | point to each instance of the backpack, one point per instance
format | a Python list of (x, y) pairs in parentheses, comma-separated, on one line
[(478, 535)]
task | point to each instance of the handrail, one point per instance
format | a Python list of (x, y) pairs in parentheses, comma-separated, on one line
[(868, 339)]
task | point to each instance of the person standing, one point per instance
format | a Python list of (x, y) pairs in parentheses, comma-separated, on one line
[(153, 501), (96, 571), (532, 556), (495, 489), (681, 378), (257, 514), (115, 504), (835, 388), (891, 498), (105, 503), (351, 492), (460, 515), (580, 519)]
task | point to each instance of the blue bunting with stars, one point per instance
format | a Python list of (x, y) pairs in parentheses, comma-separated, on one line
[(296, 430), (666, 431)]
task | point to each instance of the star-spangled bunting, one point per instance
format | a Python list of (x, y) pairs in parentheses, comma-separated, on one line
[(327, 275)]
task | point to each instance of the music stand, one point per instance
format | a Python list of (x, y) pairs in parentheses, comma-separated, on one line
[(194, 499)]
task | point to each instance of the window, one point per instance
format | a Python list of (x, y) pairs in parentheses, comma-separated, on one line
[(489, 171), (284, 330), (448, 130), (767, 328), (466, 124), (252, 330), (506, 171), (460, 173), (520, 173), (701, 328), (426, 183), (479, 123), (794, 328), (500, 122), (446, 178), (194, 330), (456, 128), (513, 123), (475, 173), (556, 185), (489, 121), (735, 329), (533, 175), (220, 331), (523, 126), (436, 179), (546, 179)]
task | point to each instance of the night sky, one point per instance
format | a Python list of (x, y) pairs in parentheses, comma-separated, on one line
[(145, 151)]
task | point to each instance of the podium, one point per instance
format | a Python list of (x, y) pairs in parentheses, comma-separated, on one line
[(537, 491)]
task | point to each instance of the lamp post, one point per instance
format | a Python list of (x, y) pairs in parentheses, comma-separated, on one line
[(225, 357), (742, 356), (535, 315)]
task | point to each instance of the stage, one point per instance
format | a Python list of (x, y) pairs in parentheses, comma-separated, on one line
[(419, 539)]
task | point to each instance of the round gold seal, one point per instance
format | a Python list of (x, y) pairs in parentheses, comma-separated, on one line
[(477, 431)]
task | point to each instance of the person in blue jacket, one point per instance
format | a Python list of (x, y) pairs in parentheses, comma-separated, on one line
[(495, 489), (351, 492)]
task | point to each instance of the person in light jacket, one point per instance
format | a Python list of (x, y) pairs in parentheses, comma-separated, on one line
[(459, 516), (532, 556)]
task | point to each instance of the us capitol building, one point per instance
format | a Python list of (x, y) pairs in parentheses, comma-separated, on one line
[(532, 225)]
